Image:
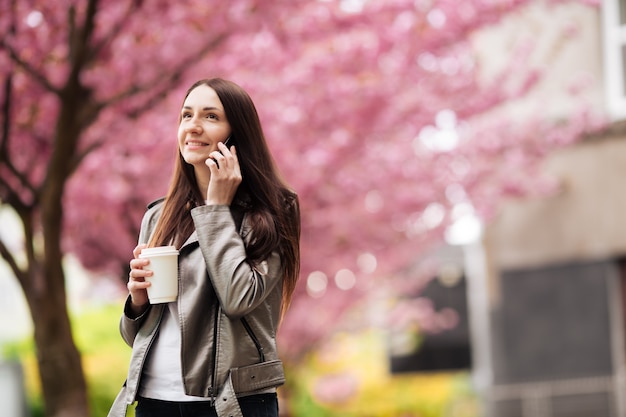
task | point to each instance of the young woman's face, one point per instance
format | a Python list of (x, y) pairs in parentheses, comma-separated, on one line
[(203, 125)]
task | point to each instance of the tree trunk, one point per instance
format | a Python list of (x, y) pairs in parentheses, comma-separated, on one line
[(60, 369)]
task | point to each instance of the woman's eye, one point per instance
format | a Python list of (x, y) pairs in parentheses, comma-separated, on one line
[(186, 115), (211, 116)]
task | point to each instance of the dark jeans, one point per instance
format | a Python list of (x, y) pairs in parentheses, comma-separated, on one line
[(261, 405)]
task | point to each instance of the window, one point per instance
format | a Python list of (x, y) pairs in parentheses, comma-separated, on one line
[(445, 351), (614, 27)]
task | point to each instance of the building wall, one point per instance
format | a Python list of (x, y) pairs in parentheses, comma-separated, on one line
[(546, 282), (585, 220), (563, 43), (547, 304)]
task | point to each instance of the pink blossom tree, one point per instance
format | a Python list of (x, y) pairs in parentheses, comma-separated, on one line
[(353, 96), (367, 116), (74, 75)]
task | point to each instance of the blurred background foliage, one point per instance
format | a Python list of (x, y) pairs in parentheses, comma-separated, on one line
[(451, 132), (348, 376)]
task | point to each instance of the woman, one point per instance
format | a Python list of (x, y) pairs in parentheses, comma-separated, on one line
[(237, 228)]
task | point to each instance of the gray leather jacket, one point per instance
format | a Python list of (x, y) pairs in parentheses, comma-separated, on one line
[(229, 313)]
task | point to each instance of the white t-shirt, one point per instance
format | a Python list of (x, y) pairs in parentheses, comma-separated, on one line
[(162, 373)]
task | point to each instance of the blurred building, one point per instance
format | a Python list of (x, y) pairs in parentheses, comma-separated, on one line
[(12, 395), (547, 284)]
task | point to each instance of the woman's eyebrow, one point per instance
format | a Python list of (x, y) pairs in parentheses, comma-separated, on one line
[(203, 109)]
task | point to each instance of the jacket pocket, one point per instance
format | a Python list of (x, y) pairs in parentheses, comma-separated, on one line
[(258, 376), (255, 339)]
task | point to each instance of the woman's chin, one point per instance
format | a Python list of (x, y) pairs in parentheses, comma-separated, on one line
[(195, 160)]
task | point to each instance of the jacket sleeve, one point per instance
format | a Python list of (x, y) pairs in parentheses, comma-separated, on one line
[(129, 325), (240, 286)]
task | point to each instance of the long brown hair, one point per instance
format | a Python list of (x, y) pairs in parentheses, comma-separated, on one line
[(273, 208)]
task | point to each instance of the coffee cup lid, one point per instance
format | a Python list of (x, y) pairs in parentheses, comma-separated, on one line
[(160, 250)]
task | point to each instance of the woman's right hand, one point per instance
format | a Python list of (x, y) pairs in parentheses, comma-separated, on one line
[(137, 283)]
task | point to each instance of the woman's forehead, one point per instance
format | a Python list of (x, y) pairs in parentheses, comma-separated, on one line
[(203, 96)]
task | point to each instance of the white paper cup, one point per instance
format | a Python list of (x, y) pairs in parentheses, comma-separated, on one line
[(164, 280)]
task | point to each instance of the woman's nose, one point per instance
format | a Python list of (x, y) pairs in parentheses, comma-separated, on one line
[(194, 125)]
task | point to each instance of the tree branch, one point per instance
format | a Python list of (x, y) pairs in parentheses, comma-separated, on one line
[(12, 196), (117, 28), (166, 81), (6, 105), (78, 38), (78, 158), (6, 117), (36, 75), (10, 260)]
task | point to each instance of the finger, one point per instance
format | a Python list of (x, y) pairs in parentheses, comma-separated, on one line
[(210, 162), (133, 277), (227, 152), (137, 285), (138, 249), (218, 158), (223, 148), (138, 263), (225, 160)]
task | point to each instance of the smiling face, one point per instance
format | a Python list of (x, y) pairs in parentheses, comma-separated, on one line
[(203, 125)]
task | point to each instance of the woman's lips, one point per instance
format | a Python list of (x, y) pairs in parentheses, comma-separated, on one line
[(195, 143)]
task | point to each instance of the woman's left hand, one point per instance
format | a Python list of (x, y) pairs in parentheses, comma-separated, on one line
[(225, 175)]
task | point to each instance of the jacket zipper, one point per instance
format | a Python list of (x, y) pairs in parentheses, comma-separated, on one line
[(255, 340), (215, 335), (144, 357)]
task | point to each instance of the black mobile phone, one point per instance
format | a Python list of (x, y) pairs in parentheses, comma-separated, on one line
[(225, 144)]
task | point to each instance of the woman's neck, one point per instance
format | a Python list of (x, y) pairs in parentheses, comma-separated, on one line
[(202, 179)]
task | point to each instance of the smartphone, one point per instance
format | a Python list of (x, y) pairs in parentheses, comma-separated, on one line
[(225, 144)]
